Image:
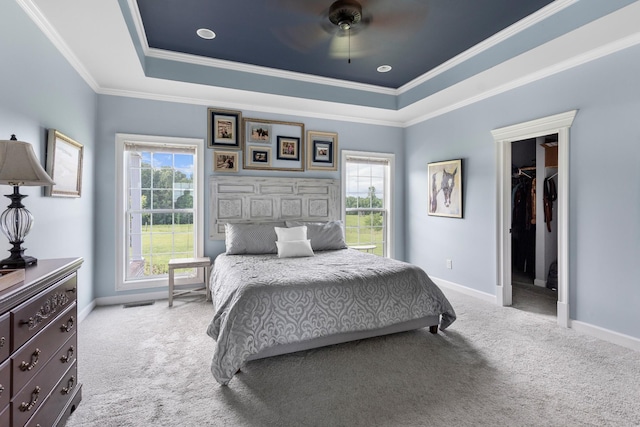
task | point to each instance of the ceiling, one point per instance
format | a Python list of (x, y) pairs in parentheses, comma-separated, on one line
[(274, 56), (412, 36)]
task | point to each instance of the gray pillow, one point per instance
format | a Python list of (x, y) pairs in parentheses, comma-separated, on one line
[(252, 238), (324, 236)]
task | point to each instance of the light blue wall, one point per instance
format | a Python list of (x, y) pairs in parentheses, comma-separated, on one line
[(604, 203), (137, 116), (40, 90)]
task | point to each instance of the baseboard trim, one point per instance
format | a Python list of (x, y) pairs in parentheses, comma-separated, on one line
[(606, 334), (88, 309), (131, 298), (465, 290), (582, 327)]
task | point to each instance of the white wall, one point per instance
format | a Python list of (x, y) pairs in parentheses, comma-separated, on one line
[(604, 201)]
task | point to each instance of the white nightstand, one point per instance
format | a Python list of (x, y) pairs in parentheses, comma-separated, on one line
[(204, 262)]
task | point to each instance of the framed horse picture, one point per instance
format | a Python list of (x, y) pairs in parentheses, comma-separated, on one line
[(445, 188)]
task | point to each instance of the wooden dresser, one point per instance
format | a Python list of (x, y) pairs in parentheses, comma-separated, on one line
[(38, 346)]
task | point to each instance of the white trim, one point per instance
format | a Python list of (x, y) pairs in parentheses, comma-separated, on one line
[(198, 200), (613, 337), (32, 10), (86, 311), (391, 159), (441, 283), (503, 137)]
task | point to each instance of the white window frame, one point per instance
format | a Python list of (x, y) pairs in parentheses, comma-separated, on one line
[(122, 284), (388, 185)]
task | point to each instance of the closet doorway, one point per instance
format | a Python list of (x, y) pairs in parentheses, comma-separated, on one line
[(504, 137), (534, 229)]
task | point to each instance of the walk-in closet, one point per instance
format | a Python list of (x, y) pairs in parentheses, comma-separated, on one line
[(534, 227)]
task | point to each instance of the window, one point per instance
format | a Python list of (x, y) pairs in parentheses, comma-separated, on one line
[(367, 200), (160, 213)]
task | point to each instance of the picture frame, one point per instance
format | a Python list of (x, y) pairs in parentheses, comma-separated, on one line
[(224, 128), (258, 132), (282, 143), (64, 165), (260, 156), (288, 148), (225, 161), (321, 150), (445, 188)]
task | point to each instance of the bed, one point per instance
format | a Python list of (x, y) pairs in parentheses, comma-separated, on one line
[(268, 301)]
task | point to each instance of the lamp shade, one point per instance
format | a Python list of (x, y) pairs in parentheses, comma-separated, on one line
[(20, 166)]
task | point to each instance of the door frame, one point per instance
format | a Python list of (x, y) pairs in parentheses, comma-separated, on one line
[(503, 137)]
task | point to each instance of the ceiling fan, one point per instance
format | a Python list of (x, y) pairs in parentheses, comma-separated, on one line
[(350, 28)]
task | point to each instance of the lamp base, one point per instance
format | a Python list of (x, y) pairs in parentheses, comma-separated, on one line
[(13, 263)]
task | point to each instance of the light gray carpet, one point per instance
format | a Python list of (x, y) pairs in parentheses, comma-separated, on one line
[(495, 366)]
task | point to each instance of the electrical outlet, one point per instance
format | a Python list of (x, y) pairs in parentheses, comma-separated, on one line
[(449, 264)]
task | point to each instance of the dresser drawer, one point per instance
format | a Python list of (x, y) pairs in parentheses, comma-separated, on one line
[(27, 401), (34, 315), (5, 416), (57, 400), (34, 355), (5, 331), (5, 385)]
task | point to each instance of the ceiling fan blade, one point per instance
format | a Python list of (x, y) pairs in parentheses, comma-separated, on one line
[(303, 37), (357, 46), (312, 7)]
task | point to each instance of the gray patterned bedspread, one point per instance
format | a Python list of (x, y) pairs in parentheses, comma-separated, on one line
[(261, 301)]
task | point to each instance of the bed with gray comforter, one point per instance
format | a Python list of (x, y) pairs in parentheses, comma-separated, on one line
[(262, 301)]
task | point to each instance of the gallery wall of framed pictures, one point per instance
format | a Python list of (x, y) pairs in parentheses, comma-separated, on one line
[(259, 144), (273, 145)]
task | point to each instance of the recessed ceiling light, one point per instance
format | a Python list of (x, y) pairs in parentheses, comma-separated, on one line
[(384, 68), (206, 33)]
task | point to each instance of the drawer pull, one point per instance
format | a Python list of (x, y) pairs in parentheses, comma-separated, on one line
[(24, 366), (69, 387), (1, 389), (66, 327), (49, 308), (2, 341), (67, 357), (25, 407), (72, 290)]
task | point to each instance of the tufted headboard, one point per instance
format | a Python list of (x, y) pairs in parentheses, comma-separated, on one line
[(242, 199)]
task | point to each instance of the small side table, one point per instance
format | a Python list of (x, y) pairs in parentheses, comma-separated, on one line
[(204, 262), (364, 248)]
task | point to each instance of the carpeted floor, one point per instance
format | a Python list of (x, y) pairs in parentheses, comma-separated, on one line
[(495, 366)]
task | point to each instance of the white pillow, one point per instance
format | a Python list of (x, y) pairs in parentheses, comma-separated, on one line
[(294, 248), (323, 235), (293, 233)]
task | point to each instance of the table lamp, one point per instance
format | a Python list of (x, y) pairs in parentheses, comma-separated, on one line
[(19, 166)]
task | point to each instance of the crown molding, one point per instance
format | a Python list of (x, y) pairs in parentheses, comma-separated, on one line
[(39, 19), (537, 17)]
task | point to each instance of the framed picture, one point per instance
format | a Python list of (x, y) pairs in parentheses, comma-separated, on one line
[(445, 188), (260, 156), (224, 128), (288, 148), (264, 137), (259, 132), (64, 165), (225, 161), (321, 150)]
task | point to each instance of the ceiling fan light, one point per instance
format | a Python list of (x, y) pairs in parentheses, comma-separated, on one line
[(206, 33), (345, 13)]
